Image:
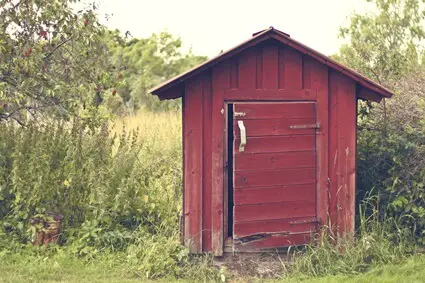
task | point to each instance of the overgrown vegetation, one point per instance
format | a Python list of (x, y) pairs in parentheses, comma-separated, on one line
[(117, 182), (120, 192), (379, 241), (388, 46)]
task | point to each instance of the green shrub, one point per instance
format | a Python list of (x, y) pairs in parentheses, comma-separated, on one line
[(391, 154), (96, 181)]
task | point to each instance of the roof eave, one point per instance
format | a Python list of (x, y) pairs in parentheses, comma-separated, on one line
[(285, 39), (261, 36)]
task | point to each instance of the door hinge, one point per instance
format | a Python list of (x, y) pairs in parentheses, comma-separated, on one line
[(306, 126), (307, 221)]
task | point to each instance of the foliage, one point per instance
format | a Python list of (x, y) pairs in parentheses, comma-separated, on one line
[(411, 270), (112, 269), (387, 43), (53, 60), (59, 265), (117, 192), (379, 240), (56, 60), (392, 153), (144, 63)]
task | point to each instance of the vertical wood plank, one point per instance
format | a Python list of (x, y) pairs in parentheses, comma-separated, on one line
[(346, 153), (182, 216), (259, 53), (293, 69), (220, 83), (193, 166), (207, 155), (270, 67), (247, 73), (333, 152), (307, 61), (317, 78), (234, 73), (281, 67)]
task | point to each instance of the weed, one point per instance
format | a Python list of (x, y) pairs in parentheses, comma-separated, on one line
[(378, 241)]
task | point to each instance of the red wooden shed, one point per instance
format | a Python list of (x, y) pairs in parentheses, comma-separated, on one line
[(269, 145)]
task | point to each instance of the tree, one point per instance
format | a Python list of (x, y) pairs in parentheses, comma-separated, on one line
[(388, 47), (386, 44), (53, 59), (144, 63)]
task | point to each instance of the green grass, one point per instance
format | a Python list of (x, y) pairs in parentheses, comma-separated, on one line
[(66, 269), (412, 270), (62, 268)]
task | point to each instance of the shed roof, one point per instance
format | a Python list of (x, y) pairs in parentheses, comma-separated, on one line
[(370, 90)]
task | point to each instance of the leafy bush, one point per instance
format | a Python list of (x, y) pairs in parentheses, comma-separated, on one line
[(119, 190), (391, 156)]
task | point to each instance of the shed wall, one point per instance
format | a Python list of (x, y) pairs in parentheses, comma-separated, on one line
[(342, 153), (270, 72)]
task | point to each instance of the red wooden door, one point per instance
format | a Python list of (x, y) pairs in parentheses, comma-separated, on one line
[(274, 174)]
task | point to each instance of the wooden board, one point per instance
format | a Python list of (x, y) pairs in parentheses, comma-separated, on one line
[(293, 69), (266, 211), (276, 144), (207, 165), (274, 241), (192, 207), (291, 110), (274, 178), (270, 68), (291, 225), (277, 127), (262, 178), (264, 161), (275, 194), (342, 148), (220, 83), (316, 77)]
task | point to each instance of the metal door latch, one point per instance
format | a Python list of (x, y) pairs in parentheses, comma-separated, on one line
[(240, 114)]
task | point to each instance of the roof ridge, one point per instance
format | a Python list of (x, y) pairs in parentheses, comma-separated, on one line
[(284, 38)]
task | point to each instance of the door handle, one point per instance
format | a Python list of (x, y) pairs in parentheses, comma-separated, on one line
[(243, 136)]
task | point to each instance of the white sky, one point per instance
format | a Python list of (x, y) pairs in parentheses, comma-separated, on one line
[(211, 26)]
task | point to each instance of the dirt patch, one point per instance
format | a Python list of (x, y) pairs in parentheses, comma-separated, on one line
[(251, 266)]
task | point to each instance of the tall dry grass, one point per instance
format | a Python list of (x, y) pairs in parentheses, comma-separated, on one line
[(161, 129)]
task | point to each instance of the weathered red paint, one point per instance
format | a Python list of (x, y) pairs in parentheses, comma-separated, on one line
[(278, 127), (276, 110), (288, 189), (207, 165), (284, 39), (221, 82), (291, 176), (272, 241), (289, 159), (266, 95), (342, 153), (193, 177), (311, 171), (244, 229), (278, 194), (266, 211)]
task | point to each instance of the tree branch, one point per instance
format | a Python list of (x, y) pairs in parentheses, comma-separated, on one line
[(56, 48)]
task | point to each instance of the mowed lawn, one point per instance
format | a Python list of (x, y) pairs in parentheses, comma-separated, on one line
[(75, 270)]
